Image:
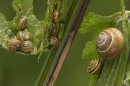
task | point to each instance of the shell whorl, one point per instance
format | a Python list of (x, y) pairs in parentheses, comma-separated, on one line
[(24, 35), (26, 46), (110, 43), (13, 45), (95, 66)]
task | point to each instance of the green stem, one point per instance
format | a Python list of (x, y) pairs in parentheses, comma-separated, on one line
[(74, 11), (122, 7)]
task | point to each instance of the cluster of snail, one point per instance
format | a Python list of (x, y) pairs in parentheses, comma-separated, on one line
[(53, 40), (110, 43), (23, 40)]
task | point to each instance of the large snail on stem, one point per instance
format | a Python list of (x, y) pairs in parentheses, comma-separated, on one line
[(110, 43)]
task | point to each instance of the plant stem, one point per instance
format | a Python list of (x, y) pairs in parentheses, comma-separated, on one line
[(56, 57), (122, 6)]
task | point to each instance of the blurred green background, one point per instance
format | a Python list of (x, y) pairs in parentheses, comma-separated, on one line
[(20, 70)]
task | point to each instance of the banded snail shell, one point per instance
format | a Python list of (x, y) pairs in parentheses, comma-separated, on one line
[(24, 35), (26, 46), (13, 45), (95, 66), (110, 43), (22, 23)]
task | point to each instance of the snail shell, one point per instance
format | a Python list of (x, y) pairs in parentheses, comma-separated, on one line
[(24, 35), (53, 30), (110, 43), (13, 45), (26, 46), (95, 66), (53, 41), (56, 14), (22, 23)]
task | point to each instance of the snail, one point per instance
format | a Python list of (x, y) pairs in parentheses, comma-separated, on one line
[(53, 30), (24, 35), (56, 14), (26, 46), (110, 43), (95, 66), (13, 45), (22, 23), (53, 41)]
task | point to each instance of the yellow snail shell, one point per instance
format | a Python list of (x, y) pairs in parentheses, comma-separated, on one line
[(95, 66), (110, 43), (56, 14), (13, 45), (26, 46)]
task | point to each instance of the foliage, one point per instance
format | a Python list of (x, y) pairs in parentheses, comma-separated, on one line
[(114, 72), (21, 7)]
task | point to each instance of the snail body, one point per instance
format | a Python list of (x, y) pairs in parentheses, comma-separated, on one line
[(13, 45), (24, 35), (95, 66), (110, 43), (22, 23), (26, 46)]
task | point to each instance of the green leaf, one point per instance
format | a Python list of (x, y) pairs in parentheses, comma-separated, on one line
[(5, 32), (96, 23), (90, 50), (10, 28)]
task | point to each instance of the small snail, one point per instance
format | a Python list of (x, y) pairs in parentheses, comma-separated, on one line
[(53, 41), (95, 66), (24, 35), (110, 43), (13, 45), (53, 30), (26, 46), (22, 23), (56, 14)]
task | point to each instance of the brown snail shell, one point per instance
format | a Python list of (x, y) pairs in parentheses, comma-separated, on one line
[(53, 30), (53, 41), (24, 35), (26, 46), (95, 66), (22, 23), (13, 45), (110, 43)]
